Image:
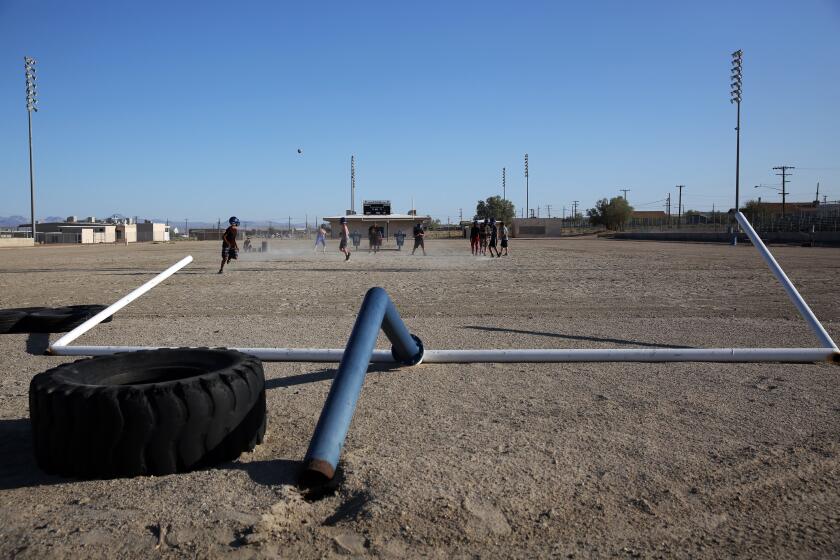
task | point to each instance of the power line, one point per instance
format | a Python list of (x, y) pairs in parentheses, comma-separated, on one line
[(650, 203)]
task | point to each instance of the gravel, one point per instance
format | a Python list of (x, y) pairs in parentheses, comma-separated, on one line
[(449, 460)]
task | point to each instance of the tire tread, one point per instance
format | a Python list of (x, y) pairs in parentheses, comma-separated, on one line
[(105, 431)]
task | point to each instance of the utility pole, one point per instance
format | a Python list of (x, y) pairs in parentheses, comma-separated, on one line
[(548, 209), (668, 206), (527, 208), (352, 185), (31, 105), (290, 226), (625, 191), (460, 215), (219, 227), (187, 227), (817, 200), (784, 174), (679, 206), (574, 214)]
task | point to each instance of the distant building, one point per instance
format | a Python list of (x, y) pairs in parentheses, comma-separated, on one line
[(149, 231), (642, 218), (126, 233), (391, 223), (74, 232), (791, 208), (90, 231), (206, 234), (537, 227)]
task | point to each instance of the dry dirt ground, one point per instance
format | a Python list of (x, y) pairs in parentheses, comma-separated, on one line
[(454, 461)]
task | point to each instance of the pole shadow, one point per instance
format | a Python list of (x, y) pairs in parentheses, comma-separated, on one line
[(576, 337), (321, 375), (274, 472), (37, 343)]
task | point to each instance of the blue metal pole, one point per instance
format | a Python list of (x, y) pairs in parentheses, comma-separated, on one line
[(377, 312)]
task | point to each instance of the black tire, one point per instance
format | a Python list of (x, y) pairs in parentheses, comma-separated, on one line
[(59, 319), (12, 319), (150, 412)]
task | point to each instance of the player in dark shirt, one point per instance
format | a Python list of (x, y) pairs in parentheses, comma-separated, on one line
[(230, 250), (345, 237), (483, 232), (419, 234), (474, 237), (492, 244)]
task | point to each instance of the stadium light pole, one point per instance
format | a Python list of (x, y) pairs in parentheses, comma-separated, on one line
[(527, 207), (352, 184), (504, 191), (735, 97), (31, 105)]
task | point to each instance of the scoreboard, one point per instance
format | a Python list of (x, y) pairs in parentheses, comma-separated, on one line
[(376, 207)]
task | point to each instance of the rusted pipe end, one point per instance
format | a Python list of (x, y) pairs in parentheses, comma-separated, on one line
[(316, 472)]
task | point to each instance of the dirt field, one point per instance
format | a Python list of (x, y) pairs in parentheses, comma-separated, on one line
[(485, 460)]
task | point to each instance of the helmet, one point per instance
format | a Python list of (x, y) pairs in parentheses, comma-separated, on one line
[(234, 221), (343, 220)]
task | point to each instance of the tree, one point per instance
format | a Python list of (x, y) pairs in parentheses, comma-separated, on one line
[(495, 207), (693, 217), (754, 211), (612, 214)]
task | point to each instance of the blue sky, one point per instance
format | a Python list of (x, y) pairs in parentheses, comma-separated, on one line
[(176, 109)]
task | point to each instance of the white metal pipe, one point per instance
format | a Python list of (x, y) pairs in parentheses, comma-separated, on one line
[(116, 306), (334, 355), (793, 294), (632, 355)]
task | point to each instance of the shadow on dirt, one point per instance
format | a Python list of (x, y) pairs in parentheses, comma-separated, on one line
[(274, 472), (575, 337), (17, 460), (19, 470), (321, 375), (37, 343)]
